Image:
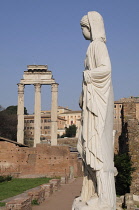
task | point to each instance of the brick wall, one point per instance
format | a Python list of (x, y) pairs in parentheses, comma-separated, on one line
[(43, 160), (129, 140)]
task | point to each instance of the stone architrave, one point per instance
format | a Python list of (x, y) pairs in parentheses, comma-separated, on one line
[(37, 75), (37, 114), (95, 143), (20, 114), (54, 105)]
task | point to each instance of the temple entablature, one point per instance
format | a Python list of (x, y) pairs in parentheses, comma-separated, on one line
[(37, 74)]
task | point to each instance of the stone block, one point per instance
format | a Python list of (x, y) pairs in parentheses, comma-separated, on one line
[(19, 204), (56, 184), (37, 194), (48, 188), (64, 179)]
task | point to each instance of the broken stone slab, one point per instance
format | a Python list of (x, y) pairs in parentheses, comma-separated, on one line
[(19, 204), (64, 179), (56, 184), (136, 200), (37, 194), (48, 188)]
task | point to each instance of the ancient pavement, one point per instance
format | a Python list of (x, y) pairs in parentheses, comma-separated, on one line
[(63, 198)]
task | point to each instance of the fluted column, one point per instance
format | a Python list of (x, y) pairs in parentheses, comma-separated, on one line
[(54, 90), (37, 114), (20, 114)]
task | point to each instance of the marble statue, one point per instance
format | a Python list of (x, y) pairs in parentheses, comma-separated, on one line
[(95, 143)]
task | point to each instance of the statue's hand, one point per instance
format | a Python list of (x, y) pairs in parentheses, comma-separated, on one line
[(87, 77)]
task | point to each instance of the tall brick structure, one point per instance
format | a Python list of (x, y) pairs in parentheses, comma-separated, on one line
[(129, 139)]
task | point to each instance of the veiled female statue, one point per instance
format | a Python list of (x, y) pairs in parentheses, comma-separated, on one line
[(95, 143)]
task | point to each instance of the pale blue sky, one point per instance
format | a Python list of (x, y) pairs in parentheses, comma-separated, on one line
[(48, 32)]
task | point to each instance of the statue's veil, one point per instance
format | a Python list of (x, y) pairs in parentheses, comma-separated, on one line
[(96, 25)]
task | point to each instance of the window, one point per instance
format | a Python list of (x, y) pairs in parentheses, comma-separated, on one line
[(114, 106), (46, 127)]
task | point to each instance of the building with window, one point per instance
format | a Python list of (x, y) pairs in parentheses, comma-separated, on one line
[(45, 128), (66, 117)]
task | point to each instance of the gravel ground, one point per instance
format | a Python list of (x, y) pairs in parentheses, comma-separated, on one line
[(62, 199)]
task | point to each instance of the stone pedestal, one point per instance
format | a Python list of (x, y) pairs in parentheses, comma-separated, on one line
[(20, 114), (37, 114), (54, 104)]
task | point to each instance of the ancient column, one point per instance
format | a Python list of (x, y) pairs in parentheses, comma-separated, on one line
[(20, 114), (54, 105), (37, 114)]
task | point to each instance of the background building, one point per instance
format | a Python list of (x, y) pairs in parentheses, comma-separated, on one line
[(65, 118)]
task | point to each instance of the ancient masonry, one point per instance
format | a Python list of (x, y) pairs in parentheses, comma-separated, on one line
[(129, 139), (43, 160), (37, 75)]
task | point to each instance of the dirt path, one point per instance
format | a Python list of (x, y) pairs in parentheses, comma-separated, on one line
[(62, 199)]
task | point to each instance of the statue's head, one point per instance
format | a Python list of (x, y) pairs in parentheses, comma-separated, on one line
[(93, 27), (86, 30)]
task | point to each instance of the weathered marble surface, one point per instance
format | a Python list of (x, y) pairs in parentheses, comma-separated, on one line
[(95, 143)]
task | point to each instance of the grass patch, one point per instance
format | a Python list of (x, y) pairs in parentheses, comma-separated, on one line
[(18, 186), (2, 204)]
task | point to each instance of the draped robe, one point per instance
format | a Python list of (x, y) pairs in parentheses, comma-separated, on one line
[(95, 143)]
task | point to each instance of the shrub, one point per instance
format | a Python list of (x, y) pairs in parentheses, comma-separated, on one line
[(34, 202), (123, 179), (5, 178)]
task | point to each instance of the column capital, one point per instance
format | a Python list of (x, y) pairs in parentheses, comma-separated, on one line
[(37, 87), (20, 88), (54, 87)]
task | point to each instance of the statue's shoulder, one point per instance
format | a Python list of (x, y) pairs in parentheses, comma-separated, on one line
[(99, 45)]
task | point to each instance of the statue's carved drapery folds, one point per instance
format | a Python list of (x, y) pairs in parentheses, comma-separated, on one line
[(95, 143)]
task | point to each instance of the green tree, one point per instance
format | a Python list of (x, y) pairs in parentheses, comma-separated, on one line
[(123, 179), (13, 110), (8, 125), (71, 131), (8, 122)]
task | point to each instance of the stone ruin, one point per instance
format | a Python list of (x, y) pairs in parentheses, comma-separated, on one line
[(37, 75)]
